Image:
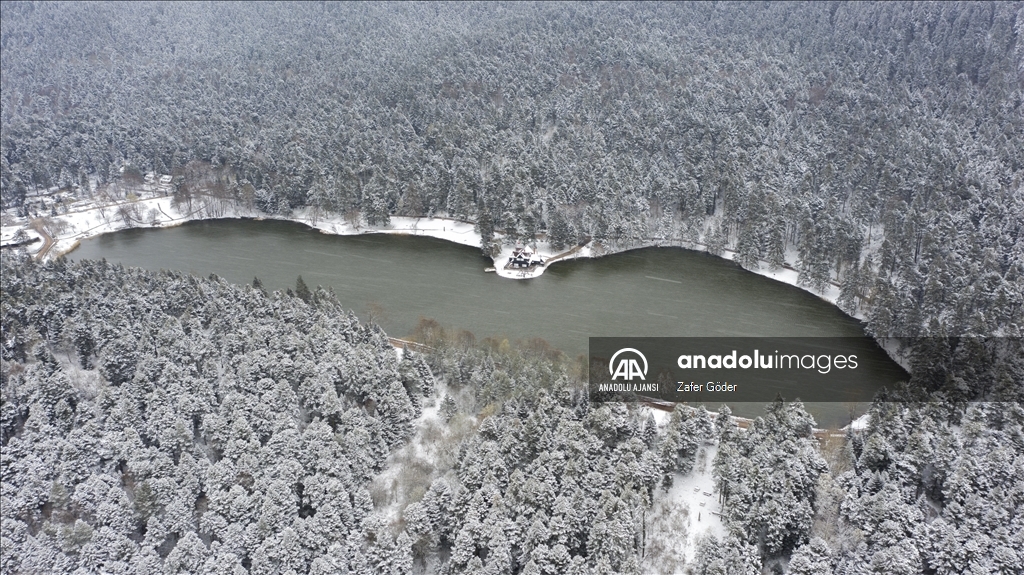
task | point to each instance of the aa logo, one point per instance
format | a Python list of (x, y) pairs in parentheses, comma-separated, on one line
[(627, 368)]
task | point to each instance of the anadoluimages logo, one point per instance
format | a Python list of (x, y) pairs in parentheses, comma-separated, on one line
[(627, 368)]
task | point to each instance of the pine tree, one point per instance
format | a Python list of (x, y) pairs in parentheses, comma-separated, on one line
[(302, 290), (716, 239), (748, 251), (558, 231), (448, 408)]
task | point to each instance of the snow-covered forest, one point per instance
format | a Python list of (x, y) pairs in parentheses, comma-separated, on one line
[(159, 422), (162, 423), (818, 127)]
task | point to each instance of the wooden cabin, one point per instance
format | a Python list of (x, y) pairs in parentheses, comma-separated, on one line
[(524, 257)]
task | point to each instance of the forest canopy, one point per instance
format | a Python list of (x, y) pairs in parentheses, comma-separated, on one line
[(823, 128), (159, 422)]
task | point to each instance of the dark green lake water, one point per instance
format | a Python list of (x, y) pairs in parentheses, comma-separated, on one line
[(400, 279)]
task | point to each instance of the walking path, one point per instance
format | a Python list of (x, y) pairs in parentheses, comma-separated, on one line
[(48, 242), (567, 253)]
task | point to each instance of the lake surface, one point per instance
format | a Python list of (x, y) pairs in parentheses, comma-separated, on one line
[(397, 280)]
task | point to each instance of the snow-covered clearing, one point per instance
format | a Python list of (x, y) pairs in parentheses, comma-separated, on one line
[(678, 518), (431, 452), (409, 468), (11, 235)]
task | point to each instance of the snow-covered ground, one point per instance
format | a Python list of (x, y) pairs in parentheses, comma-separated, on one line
[(861, 423), (9, 235), (410, 467), (678, 518)]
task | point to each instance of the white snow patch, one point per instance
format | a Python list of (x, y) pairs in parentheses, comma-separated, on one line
[(9, 235), (678, 518), (860, 424), (661, 417), (409, 468)]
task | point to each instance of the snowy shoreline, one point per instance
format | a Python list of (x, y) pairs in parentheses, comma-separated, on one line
[(86, 219), (90, 220)]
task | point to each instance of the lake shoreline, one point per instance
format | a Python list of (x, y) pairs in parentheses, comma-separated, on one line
[(95, 220), (91, 221)]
